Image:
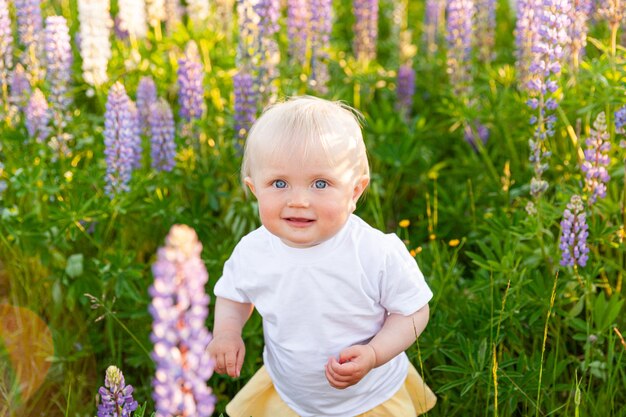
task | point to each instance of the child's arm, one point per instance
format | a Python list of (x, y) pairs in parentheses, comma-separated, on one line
[(227, 348), (397, 334)]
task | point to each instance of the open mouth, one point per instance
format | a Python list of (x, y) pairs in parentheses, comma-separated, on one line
[(298, 221)]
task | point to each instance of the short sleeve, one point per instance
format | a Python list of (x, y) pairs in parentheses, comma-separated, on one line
[(403, 288), (230, 285)]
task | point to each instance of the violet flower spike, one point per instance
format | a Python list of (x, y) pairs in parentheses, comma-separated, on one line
[(405, 89), (190, 84), (365, 29), (459, 36), (116, 397), (162, 132), (574, 233), (146, 96), (246, 104), (38, 116), (30, 29), (59, 71), (6, 49), (433, 16), (119, 140), (298, 29), (597, 160), (321, 27), (485, 29), (179, 309)]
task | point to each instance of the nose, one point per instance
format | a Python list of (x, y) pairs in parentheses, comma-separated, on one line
[(298, 199)]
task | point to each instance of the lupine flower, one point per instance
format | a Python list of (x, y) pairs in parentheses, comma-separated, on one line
[(116, 397), (246, 103), (298, 29), (119, 139), (574, 233), (432, 23), (132, 14), (146, 95), (95, 46), (620, 122), (20, 88), (405, 89), (321, 27), (29, 29), (268, 12), (526, 36), (485, 29), (179, 309), (198, 11), (155, 12), (474, 132), (136, 136), (162, 145), (6, 46), (38, 116), (597, 159), (459, 25), (59, 60), (543, 84), (613, 11), (365, 29), (577, 30), (174, 14), (190, 84)]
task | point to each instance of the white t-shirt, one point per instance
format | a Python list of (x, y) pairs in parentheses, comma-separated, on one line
[(317, 301)]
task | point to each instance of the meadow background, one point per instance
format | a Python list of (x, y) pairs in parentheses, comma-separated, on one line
[(476, 154)]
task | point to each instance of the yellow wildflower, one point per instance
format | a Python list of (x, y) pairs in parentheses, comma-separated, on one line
[(404, 223)]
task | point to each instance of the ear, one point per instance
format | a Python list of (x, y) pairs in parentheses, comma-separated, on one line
[(250, 184), (360, 185)]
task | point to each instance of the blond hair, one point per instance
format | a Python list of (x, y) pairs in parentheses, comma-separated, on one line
[(301, 125)]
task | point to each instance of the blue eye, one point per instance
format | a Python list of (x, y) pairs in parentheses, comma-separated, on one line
[(279, 184), (320, 184)]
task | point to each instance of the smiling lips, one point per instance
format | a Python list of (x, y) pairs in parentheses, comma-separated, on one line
[(299, 221)]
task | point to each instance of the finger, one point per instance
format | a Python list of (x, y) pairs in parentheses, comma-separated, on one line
[(343, 369), (231, 363), (219, 364), (339, 375), (241, 353), (333, 381)]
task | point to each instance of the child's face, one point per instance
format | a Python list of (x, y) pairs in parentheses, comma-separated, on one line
[(307, 202)]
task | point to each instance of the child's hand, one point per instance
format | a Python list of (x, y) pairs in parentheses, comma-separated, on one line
[(227, 351), (354, 363)]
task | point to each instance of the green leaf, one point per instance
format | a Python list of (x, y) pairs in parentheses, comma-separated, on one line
[(74, 266)]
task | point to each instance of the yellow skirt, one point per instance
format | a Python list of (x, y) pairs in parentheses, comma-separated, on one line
[(258, 398)]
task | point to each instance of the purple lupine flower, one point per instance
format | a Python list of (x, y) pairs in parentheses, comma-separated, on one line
[(29, 29), (95, 46), (246, 104), (146, 95), (620, 120), (597, 159), (574, 233), (298, 29), (267, 12), (542, 84), (190, 84), (579, 15), (433, 17), (59, 72), (6, 47), (119, 140), (132, 14), (526, 36), (460, 16), (365, 29), (179, 309), (321, 27), (116, 397), (20, 88), (136, 136), (612, 11), (405, 89), (162, 145), (485, 29), (474, 132), (38, 116)]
